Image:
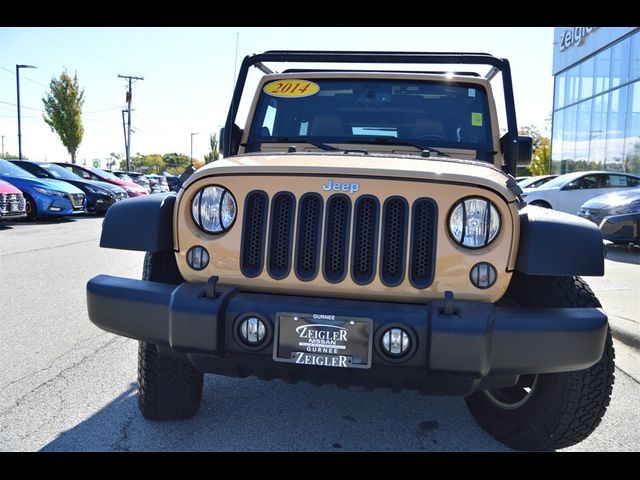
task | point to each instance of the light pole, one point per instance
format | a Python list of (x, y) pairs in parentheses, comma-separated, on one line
[(192, 147), (18, 67)]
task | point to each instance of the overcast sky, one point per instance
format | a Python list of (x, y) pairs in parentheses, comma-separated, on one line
[(188, 76)]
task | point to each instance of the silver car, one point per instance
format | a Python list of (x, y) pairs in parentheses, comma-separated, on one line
[(614, 203)]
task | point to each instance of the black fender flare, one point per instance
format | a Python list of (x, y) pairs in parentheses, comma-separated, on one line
[(141, 223), (556, 243)]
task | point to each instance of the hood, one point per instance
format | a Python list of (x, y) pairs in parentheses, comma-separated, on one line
[(47, 183), (328, 164), (6, 187), (613, 199)]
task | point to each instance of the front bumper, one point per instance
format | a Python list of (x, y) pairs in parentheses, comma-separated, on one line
[(479, 346)]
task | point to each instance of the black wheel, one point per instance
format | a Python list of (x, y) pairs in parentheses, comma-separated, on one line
[(540, 203), (548, 411), (30, 207), (169, 387)]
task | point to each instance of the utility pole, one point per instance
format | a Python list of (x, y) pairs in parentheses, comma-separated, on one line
[(2, 146), (127, 141), (192, 146), (18, 67)]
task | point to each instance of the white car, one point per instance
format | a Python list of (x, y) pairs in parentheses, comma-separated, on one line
[(568, 192)]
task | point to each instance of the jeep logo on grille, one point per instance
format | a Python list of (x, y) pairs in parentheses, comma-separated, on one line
[(340, 187)]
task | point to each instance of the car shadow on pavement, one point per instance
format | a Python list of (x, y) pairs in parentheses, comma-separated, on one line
[(623, 253), (251, 415)]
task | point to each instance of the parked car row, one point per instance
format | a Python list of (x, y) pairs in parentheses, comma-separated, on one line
[(151, 183), (609, 199), (38, 189)]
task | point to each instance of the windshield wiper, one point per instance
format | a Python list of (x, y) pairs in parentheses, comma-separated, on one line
[(393, 141), (323, 146)]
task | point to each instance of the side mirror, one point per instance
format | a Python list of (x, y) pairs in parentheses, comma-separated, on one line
[(525, 147), (236, 135)]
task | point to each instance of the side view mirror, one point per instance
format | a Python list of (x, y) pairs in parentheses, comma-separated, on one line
[(236, 135), (525, 148)]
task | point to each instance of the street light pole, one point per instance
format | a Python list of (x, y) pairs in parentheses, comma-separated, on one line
[(192, 147), (18, 67)]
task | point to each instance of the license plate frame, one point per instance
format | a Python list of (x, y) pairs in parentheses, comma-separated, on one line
[(333, 341)]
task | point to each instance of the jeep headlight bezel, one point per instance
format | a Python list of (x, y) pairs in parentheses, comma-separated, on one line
[(214, 209), (474, 222)]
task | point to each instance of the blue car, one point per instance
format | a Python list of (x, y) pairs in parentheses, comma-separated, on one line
[(44, 197)]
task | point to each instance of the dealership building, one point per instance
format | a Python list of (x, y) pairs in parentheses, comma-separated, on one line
[(596, 101)]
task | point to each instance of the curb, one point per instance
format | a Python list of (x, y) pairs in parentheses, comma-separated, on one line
[(625, 336)]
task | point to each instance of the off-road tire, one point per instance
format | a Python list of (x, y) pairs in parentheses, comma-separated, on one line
[(169, 387), (562, 409)]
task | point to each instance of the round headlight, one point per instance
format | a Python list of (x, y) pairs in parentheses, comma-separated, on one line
[(213, 209), (474, 222)]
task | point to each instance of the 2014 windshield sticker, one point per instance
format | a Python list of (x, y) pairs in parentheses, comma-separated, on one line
[(291, 88)]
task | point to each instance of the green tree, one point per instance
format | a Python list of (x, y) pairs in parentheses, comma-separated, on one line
[(9, 156), (175, 163), (541, 158), (214, 154), (151, 163), (63, 111)]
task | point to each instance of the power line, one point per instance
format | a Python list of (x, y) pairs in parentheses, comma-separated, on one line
[(21, 106), (23, 77)]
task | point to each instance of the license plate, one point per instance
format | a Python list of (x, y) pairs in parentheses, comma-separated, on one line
[(323, 340), (15, 207)]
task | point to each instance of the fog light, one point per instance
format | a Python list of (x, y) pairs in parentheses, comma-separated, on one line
[(483, 275), (198, 257), (253, 331), (395, 342)]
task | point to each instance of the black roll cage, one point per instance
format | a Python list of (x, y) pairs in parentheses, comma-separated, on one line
[(508, 142)]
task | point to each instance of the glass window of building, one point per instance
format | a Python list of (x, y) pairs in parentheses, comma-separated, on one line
[(598, 129), (586, 78), (560, 86), (571, 89), (632, 132), (583, 132), (634, 61), (602, 69), (556, 137), (569, 126), (614, 150), (620, 63)]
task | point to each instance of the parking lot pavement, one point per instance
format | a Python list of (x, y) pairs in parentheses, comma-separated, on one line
[(619, 292), (65, 385)]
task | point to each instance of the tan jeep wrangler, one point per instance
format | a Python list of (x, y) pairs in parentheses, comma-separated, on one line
[(364, 228)]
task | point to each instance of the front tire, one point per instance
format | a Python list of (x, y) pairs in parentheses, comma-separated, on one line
[(548, 411), (169, 386), (30, 208)]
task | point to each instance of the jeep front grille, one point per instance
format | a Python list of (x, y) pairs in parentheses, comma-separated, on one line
[(339, 238), (9, 199)]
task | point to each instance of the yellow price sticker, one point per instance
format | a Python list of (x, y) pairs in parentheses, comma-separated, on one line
[(291, 88), (476, 119)]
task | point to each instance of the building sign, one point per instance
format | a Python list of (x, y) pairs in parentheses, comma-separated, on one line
[(574, 37)]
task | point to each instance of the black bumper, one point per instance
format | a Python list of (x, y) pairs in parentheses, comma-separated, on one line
[(479, 346)]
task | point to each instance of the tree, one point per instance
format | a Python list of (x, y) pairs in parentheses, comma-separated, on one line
[(175, 163), (63, 111), (541, 158), (533, 132), (214, 154), (9, 156), (152, 163)]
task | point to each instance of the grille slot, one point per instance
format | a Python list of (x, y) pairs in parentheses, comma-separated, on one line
[(365, 239), (394, 240), (308, 236), (423, 243), (283, 208), (336, 240), (77, 200), (253, 238)]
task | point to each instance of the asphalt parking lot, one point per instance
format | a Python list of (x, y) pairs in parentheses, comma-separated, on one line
[(65, 385)]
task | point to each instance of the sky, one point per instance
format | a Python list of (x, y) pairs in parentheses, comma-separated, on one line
[(189, 76)]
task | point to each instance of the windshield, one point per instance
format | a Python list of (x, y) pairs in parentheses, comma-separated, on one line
[(11, 170), (57, 171), (441, 114), (102, 173)]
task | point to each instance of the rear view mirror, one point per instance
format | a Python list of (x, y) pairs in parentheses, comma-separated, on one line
[(525, 147)]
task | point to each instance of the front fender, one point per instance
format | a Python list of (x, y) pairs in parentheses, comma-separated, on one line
[(140, 223), (556, 243)]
